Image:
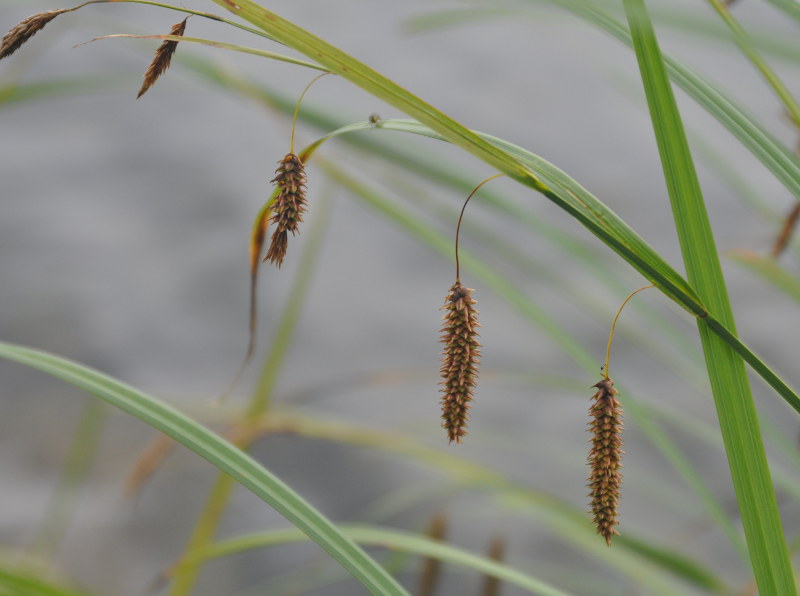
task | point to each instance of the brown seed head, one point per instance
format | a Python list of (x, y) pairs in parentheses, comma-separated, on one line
[(26, 29), (162, 58), (605, 458), (290, 205), (460, 359)]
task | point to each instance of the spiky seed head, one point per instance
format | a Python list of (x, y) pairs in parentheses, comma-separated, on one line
[(290, 205), (605, 458), (26, 29), (460, 358), (162, 58)]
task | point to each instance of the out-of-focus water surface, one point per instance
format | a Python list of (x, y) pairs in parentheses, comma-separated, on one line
[(123, 244)]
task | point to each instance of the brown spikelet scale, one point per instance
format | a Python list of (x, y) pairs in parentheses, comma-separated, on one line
[(290, 205), (460, 359), (162, 58), (605, 458), (26, 29)]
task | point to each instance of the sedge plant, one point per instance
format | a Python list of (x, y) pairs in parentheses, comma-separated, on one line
[(701, 295)]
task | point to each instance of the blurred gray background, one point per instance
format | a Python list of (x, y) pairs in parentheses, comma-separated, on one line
[(123, 245)]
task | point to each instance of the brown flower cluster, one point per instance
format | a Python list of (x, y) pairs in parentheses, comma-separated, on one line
[(26, 29), (162, 58), (605, 458), (460, 359), (290, 205)]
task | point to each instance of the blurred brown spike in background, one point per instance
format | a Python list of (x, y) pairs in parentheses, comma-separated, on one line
[(605, 458), (289, 208), (460, 359), (26, 29), (431, 568), (148, 462), (787, 231), (162, 58), (497, 550)]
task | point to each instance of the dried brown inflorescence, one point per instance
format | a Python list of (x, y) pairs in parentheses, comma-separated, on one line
[(460, 359), (162, 58), (26, 29), (605, 458), (290, 205)]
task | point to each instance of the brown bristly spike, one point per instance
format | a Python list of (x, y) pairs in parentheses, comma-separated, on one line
[(460, 359), (289, 207), (290, 204), (162, 58), (605, 458), (461, 353), (26, 29), (605, 455), (787, 231)]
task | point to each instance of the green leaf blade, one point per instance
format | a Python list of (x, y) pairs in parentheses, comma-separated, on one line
[(735, 408), (219, 452)]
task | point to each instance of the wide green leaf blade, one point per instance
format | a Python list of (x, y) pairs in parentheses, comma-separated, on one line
[(240, 466), (735, 408)]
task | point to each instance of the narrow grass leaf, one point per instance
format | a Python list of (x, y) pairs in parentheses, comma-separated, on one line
[(17, 583), (768, 270), (395, 540), (217, 44), (647, 566), (735, 407), (775, 156), (240, 466)]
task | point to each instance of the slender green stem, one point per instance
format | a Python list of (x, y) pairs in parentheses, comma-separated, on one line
[(217, 44), (187, 570), (198, 13), (185, 573), (745, 44), (77, 464)]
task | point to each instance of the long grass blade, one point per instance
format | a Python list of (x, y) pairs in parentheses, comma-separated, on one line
[(769, 271), (16, 583), (775, 156), (395, 540), (240, 466), (631, 555), (744, 42), (218, 44), (735, 408)]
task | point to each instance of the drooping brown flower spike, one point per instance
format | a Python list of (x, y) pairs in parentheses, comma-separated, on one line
[(605, 455), (162, 58), (460, 359), (605, 458), (290, 205), (26, 29), (461, 353)]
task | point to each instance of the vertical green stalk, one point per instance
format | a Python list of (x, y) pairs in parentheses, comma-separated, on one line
[(77, 465), (734, 402), (187, 570)]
